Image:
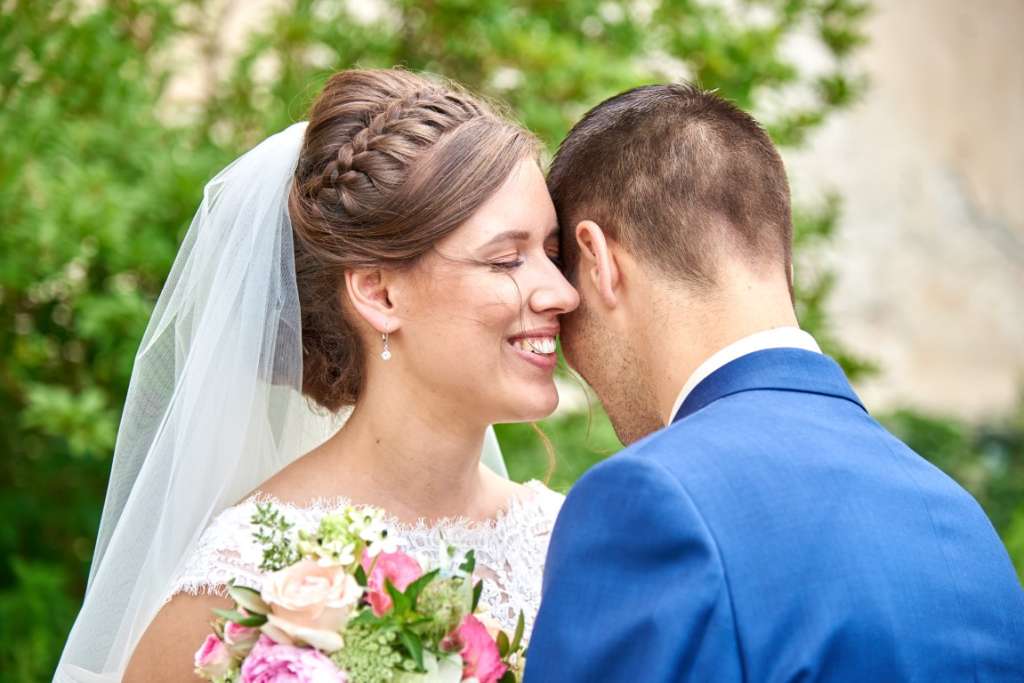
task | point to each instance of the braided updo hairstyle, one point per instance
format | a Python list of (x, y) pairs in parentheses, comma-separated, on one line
[(391, 163)]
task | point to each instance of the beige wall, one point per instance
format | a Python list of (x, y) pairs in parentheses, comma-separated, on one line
[(931, 169)]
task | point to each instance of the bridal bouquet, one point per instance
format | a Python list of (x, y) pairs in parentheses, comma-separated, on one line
[(344, 605)]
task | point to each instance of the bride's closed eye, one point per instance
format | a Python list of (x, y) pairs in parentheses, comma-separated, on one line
[(517, 261), (508, 263)]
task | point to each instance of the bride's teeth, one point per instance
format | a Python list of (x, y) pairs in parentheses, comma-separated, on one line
[(545, 345)]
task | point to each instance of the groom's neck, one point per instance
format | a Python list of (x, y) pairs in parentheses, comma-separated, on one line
[(690, 327)]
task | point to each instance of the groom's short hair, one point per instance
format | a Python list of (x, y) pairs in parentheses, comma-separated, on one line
[(677, 175)]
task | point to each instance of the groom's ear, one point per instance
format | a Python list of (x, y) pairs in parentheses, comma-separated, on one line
[(597, 262), (367, 291)]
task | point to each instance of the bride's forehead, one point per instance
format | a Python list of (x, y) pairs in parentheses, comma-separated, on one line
[(526, 224)]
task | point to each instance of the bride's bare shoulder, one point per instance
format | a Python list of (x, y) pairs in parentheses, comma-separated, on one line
[(165, 651)]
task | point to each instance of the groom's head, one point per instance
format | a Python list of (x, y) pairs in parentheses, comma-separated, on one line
[(675, 218)]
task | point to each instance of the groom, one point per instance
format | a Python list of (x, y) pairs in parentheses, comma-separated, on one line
[(761, 526)]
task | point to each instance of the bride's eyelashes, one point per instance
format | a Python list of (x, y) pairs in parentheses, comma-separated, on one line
[(507, 264), (512, 264)]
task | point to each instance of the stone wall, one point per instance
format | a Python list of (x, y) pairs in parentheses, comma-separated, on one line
[(930, 166)]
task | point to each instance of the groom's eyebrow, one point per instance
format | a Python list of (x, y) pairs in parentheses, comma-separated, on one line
[(518, 236)]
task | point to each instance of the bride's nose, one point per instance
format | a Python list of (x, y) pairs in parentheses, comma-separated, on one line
[(553, 293)]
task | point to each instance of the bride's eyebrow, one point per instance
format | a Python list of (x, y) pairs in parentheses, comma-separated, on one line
[(518, 236)]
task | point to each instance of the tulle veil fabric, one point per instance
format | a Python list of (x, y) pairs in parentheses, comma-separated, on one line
[(214, 406)]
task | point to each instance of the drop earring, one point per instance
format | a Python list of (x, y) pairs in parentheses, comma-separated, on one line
[(386, 353)]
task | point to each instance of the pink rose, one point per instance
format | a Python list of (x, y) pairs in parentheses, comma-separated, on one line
[(309, 604), (240, 639), (492, 626), (212, 659), (397, 567), (480, 658), (270, 662)]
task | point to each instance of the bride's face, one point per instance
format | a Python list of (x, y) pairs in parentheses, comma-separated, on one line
[(480, 313)]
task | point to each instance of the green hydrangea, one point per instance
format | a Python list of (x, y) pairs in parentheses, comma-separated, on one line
[(233, 675), (370, 656), (446, 602)]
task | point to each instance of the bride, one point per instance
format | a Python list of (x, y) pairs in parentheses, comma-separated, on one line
[(395, 261)]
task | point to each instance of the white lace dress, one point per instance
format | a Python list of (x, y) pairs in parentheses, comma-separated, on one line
[(510, 549)]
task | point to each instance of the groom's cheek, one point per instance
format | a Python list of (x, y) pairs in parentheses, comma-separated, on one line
[(569, 338)]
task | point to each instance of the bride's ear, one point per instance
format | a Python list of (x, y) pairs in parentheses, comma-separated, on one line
[(367, 291), (597, 263)]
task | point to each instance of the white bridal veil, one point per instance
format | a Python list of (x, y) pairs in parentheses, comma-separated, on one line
[(214, 407)]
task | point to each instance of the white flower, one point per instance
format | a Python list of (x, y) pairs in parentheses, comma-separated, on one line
[(336, 553), (386, 544), (374, 530), (448, 669)]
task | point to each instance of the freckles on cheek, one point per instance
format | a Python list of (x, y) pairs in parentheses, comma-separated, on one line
[(491, 300), (469, 307)]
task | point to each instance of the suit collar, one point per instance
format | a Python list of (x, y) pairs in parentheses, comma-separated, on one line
[(774, 338), (779, 369)]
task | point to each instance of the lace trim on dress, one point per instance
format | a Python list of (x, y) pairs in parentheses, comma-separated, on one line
[(510, 549)]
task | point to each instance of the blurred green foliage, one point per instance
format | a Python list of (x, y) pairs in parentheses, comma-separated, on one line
[(103, 166), (988, 460)]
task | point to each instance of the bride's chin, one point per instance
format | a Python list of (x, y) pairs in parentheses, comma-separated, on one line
[(539, 406)]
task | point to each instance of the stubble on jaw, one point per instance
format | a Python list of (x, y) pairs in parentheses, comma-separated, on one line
[(629, 406), (618, 374)]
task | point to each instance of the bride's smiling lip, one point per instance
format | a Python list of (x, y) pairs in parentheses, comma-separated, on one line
[(545, 361), (537, 333)]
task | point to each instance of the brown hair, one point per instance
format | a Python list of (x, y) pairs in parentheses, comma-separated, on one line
[(674, 173), (391, 163)]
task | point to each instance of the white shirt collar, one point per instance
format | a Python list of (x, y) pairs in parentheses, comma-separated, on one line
[(777, 338)]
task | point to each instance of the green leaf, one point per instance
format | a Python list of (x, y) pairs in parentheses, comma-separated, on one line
[(241, 619), (400, 603), (509, 677), (253, 620), (229, 614), (366, 617), (360, 576), (478, 590), (503, 644), (248, 599), (517, 639), (412, 643), (469, 563), (414, 589)]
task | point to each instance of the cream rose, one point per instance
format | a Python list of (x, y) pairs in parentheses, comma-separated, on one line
[(309, 604)]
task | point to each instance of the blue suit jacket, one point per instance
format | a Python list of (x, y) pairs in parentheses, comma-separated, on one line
[(775, 532)]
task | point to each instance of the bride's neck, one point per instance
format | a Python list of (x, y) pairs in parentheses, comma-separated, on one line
[(411, 456)]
